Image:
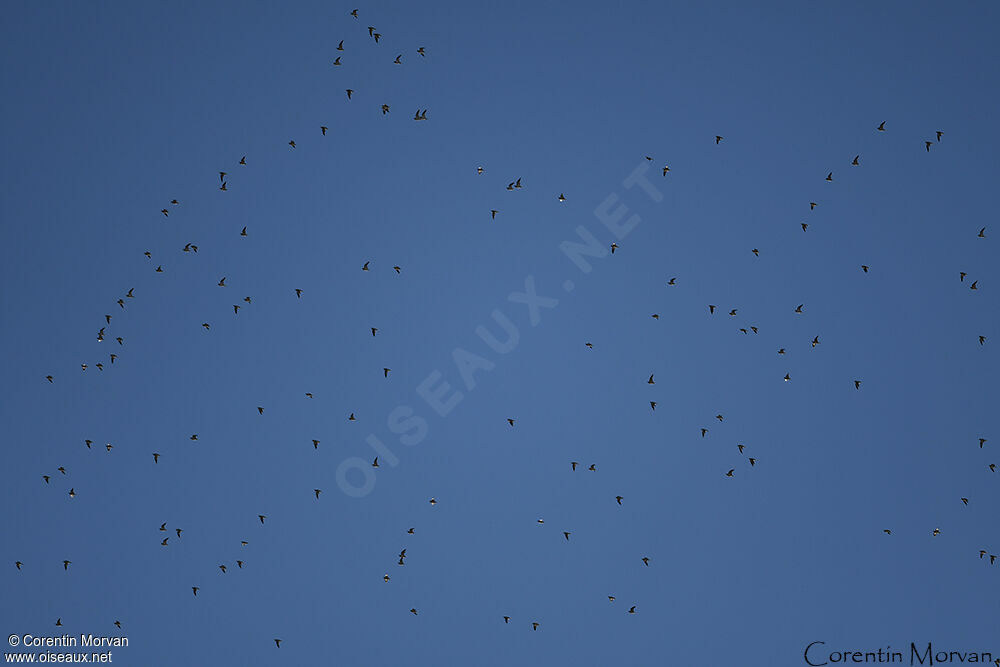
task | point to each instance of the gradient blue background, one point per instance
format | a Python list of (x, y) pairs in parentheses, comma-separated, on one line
[(113, 109)]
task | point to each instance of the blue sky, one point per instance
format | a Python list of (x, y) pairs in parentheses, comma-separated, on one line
[(114, 110)]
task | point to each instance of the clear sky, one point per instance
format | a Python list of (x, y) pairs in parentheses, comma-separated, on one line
[(113, 110)]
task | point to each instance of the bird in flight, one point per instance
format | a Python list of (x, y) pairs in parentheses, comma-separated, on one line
[(510, 421), (718, 140), (195, 589), (982, 233), (927, 145), (614, 246), (593, 467), (881, 126), (277, 642), (561, 197), (386, 371), (506, 619), (672, 281), (619, 499), (652, 404), (534, 626), (337, 63), (66, 564), (421, 51), (730, 473), (493, 212), (156, 457), (857, 384), (645, 561), (340, 47), (261, 517), (864, 267), (398, 60), (260, 410), (650, 380), (965, 501), (375, 462), (631, 609), (566, 533), (420, 115), (323, 128), (385, 109), (18, 564), (292, 144), (711, 309), (315, 444), (855, 161), (798, 308), (317, 492), (243, 160), (829, 176)]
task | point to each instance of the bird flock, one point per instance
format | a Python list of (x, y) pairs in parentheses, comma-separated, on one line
[(228, 182)]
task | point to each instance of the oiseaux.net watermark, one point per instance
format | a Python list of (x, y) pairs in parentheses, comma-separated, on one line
[(438, 394), (51, 648)]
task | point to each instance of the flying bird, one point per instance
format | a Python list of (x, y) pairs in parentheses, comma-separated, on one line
[(855, 161), (829, 176), (349, 93), (317, 492), (718, 139), (927, 145), (322, 128), (881, 126)]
